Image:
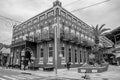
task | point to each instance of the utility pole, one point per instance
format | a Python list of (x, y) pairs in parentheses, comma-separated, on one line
[(55, 30)]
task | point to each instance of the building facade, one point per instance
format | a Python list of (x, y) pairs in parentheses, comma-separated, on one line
[(114, 36), (34, 39)]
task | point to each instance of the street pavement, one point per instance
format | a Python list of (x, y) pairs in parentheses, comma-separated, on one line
[(7, 74), (113, 73)]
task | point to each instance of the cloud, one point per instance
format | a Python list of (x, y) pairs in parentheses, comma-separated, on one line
[(22, 10)]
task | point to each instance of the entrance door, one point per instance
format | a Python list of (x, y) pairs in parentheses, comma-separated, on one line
[(27, 58), (69, 55)]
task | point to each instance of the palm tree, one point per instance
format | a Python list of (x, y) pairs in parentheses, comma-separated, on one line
[(97, 33)]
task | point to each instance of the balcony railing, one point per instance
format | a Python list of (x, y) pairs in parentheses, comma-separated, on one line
[(28, 38), (72, 38), (17, 41), (65, 36), (51, 35), (45, 36)]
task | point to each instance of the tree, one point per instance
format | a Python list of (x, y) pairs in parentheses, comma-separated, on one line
[(97, 33)]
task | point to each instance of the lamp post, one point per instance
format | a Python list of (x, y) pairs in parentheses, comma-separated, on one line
[(55, 30), (1, 57)]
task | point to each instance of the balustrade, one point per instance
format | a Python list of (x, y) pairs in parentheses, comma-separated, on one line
[(45, 36)]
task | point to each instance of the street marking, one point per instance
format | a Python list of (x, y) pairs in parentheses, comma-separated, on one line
[(17, 77), (2, 79), (31, 76), (10, 77), (27, 76)]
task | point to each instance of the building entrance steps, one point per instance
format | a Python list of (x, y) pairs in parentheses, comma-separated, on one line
[(112, 73)]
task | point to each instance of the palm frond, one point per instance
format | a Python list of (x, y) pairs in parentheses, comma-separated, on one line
[(97, 27), (101, 27), (103, 30)]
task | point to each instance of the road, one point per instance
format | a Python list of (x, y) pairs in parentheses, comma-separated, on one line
[(6, 74)]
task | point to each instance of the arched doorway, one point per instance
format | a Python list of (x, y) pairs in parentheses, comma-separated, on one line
[(27, 54)]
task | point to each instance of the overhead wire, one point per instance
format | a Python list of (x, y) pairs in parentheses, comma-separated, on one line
[(9, 19), (90, 6), (71, 3)]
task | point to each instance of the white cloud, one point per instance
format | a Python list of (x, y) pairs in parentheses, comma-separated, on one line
[(22, 10)]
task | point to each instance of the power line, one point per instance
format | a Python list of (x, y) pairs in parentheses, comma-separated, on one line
[(71, 3), (9, 19), (90, 6)]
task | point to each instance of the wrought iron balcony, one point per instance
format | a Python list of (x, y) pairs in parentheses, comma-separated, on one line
[(72, 38), (65, 36), (38, 38), (17, 41), (51, 35), (45, 37), (29, 38), (78, 40)]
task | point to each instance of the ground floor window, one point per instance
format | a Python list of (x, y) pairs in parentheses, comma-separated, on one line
[(84, 56), (41, 55), (80, 57), (62, 54), (76, 56), (70, 55), (50, 54)]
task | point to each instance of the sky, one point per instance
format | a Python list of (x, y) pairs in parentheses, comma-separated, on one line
[(21, 10)]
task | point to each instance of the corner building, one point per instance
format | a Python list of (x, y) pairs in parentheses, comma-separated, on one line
[(34, 39)]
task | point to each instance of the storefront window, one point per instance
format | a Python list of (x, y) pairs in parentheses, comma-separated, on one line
[(50, 51), (62, 52), (80, 57), (50, 54), (75, 56), (41, 55), (70, 55), (42, 52)]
